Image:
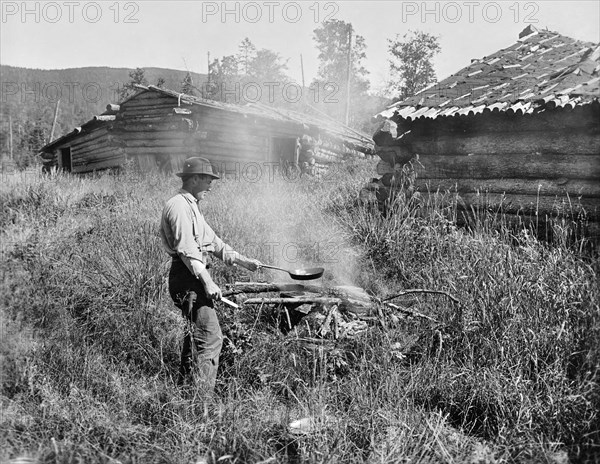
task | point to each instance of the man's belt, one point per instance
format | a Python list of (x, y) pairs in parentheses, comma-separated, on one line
[(177, 259)]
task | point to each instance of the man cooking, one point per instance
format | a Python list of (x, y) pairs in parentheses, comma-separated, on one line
[(190, 240)]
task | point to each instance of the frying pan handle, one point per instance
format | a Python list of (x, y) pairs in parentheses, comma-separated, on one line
[(268, 266)]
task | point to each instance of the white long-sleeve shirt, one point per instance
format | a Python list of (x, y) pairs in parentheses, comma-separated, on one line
[(184, 232)]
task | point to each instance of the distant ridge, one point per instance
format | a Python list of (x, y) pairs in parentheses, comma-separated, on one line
[(29, 95)]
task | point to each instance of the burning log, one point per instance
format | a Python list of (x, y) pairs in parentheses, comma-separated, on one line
[(263, 287), (337, 312), (352, 299), (297, 300)]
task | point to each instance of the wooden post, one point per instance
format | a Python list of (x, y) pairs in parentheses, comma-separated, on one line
[(302, 70), (54, 121), (208, 68), (10, 137), (348, 74)]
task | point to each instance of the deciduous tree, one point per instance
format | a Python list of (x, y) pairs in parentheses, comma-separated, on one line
[(229, 75), (336, 40), (411, 68), (268, 66), (223, 75)]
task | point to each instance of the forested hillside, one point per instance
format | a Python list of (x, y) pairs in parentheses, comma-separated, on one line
[(29, 98)]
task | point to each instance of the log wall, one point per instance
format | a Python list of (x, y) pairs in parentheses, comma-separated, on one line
[(156, 130), (160, 134), (545, 167), (156, 134), (94, 150)]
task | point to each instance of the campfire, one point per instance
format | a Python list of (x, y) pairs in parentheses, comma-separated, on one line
[(317, 313)]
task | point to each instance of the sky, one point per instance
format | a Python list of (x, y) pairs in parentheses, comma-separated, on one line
[(180, 34)]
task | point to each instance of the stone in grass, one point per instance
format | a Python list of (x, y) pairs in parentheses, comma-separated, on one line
[(308, 425)]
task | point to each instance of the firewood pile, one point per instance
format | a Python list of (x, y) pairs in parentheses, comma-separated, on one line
[(316, 314)]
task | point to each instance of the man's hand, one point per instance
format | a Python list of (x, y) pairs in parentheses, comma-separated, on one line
[(248, 263), (212, 290)]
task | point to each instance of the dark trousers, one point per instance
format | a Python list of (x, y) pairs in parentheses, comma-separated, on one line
[(203, 332)]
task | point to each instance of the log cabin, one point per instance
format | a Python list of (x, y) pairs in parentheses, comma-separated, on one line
[(157, 128), (515, 132)]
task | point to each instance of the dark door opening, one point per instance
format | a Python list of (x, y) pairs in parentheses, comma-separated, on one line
[(283, 151), (65, 159)]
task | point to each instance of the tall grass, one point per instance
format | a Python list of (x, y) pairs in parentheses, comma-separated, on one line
[(90, 338)]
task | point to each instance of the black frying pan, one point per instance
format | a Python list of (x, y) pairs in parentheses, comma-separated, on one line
[(300, 274)]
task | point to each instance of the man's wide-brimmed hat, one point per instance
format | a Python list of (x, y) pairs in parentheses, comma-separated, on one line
[(197, 165)]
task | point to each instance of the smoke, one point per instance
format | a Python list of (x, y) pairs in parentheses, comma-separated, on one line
[(282, 221)]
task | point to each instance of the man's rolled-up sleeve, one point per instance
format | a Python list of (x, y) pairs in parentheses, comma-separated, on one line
[(221, 249)]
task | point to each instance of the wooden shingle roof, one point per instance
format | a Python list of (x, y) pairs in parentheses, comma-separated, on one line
[(350, 137), (283, 115), (542, 70)]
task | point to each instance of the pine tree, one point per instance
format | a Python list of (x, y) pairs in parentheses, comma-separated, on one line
[(137, 76), (245, 56), (187, 85)]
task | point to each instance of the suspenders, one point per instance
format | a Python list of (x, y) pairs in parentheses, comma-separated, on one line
[(195, 222)]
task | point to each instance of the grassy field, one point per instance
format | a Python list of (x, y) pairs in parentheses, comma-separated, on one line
[(90, 339)]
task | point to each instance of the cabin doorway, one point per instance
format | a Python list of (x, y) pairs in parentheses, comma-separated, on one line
[(65, 159), (283, 149)]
